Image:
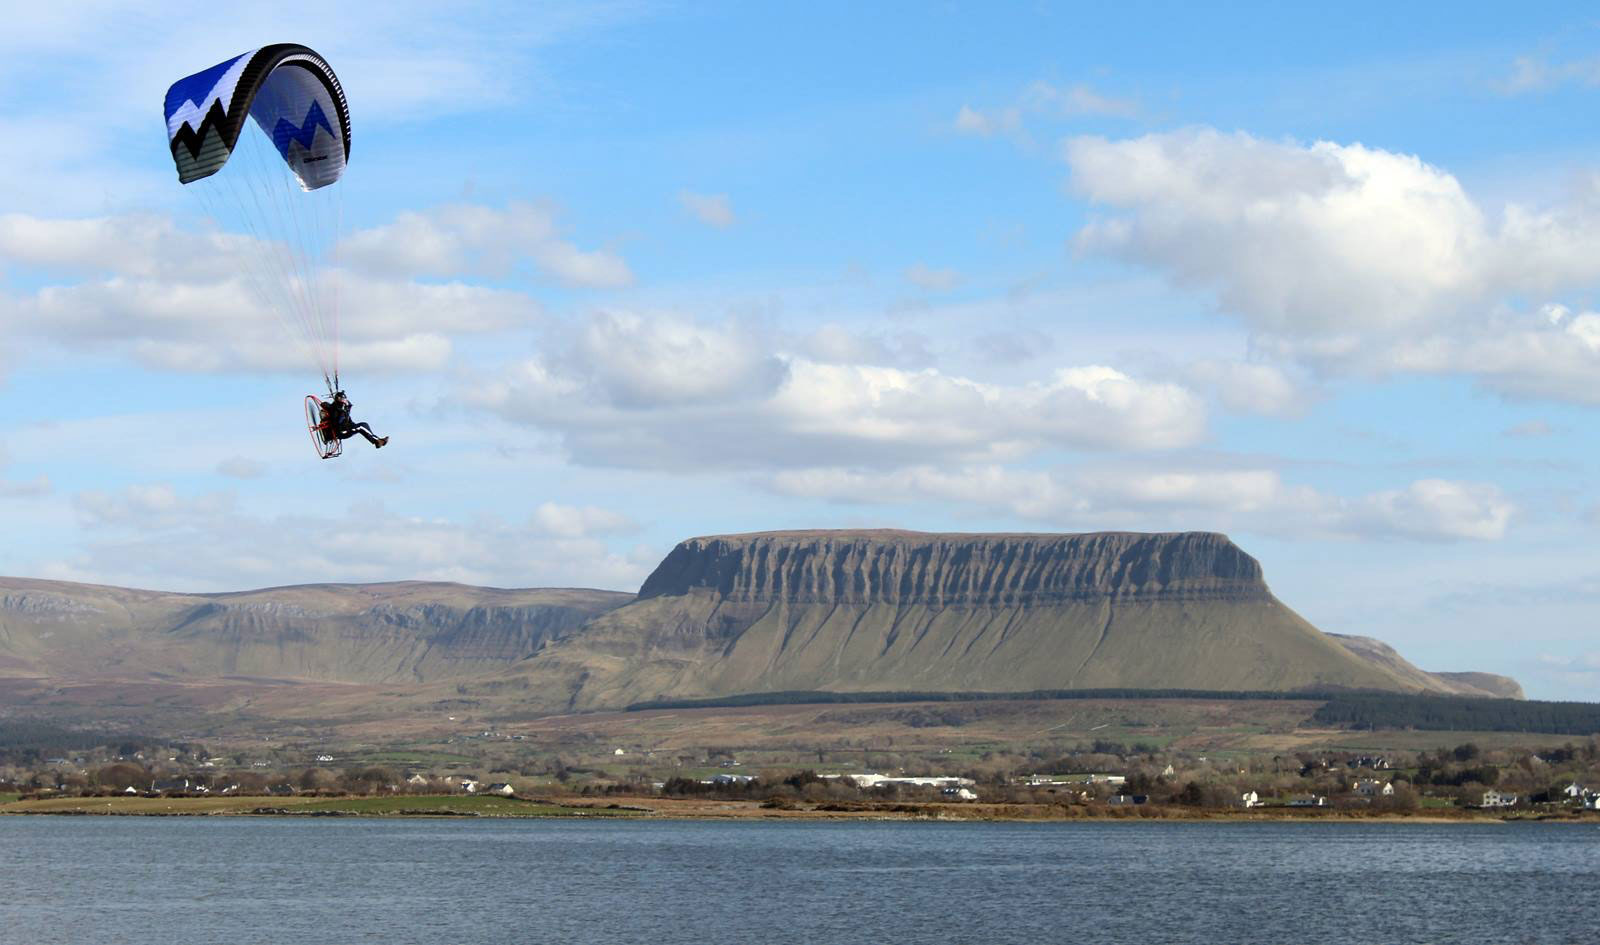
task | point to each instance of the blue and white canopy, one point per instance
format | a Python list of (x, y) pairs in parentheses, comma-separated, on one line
[(289, 90)]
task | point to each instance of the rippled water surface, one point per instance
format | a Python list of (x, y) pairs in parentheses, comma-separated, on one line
[(284, 880)]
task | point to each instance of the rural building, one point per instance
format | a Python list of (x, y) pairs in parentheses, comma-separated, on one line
[(1369, 787), (469, 786), (1496, 799), (866, 781), (417, 780), (959, 794), (1308, 800), (1250, 799), (504, 790)]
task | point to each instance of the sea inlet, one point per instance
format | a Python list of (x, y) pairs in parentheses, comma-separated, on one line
[(213, 879)]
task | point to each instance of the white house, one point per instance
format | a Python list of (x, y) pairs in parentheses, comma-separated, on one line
[(504, 790), (1369, 787), (417, 780), (1168, 771), (866, 781), (1308, 800), (1250, 799), (1575, 791), (1592, 802), (470, 786), (1496, 799), (324, 758), (959, 794)]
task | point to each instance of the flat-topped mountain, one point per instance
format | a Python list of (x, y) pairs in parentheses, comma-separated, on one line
[(899, 567), (860, 611), (895, 610)]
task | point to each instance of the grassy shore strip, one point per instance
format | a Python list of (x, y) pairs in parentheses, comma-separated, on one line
[(404, 806), (706, 809)]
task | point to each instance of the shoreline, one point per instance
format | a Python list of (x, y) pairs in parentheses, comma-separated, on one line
[(656, 808)]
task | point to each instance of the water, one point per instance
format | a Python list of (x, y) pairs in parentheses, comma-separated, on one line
[(91, 880)]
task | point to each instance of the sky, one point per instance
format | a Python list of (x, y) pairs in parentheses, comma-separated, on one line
[(613, 275)]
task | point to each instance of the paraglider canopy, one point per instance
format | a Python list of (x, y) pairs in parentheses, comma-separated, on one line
[(273, 186), (288, 89)]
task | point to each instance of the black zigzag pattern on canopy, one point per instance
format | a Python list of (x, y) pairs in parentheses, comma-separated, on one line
[(228, 124)]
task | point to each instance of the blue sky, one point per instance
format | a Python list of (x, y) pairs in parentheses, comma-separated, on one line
[(617, 274)]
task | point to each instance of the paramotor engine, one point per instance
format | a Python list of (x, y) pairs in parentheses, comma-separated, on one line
[(323, 436)]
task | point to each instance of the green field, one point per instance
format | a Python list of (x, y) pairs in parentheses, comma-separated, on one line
[(417, 758), (8, 798)]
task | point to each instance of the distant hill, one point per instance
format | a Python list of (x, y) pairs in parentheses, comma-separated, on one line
[(893, 610), (410, 631), (841, 611), (1463, 684)]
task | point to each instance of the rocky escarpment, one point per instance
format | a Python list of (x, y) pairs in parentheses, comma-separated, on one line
[(894, 610), (897, 567), (406, 631)]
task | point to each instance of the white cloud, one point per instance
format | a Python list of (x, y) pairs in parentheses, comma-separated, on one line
[(1042, 100), (464, 239), (1436, 509), (1076, 100), (1533, 74), (1251, 387), (1256, 500), (929, 279), (1353, 259), (662, 391), (832, 343), (188, 301), (571, 521), (987, 123), (710, 209)]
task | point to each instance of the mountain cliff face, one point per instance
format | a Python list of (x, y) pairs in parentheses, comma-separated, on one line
[(995, 570), (890, 610), (410, 631)]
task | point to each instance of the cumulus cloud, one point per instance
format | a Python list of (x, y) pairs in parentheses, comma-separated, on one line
[(832, 343), (664, 391), (193, 301), (573, 521), (710, 209), (1257, 500), (464, 239), (146, 535), (1353, 259), (1251, 387)]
